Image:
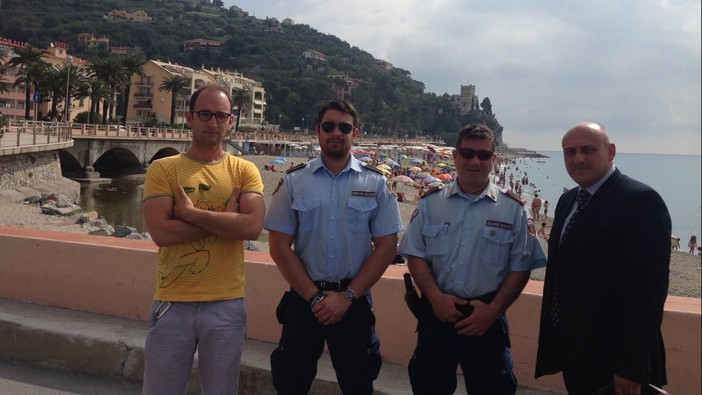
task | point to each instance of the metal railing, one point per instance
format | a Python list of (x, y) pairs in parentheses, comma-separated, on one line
[(27, 133)]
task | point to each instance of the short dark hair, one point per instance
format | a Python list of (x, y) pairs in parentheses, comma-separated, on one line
[(203, 88), (475, 131), (342, 106)]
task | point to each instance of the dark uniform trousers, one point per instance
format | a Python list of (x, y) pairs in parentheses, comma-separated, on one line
[(353, 346), (485, 360)]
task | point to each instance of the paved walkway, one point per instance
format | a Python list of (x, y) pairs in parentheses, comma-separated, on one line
[(106, 346)]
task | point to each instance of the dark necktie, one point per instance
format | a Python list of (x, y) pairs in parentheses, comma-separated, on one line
[(583, 197)]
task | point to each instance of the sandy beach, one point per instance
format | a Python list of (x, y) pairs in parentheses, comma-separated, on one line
[(684, 267)]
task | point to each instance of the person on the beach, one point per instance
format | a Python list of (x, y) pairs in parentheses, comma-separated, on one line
[(545, 209), (199, 207), (342, 220), (543, 233), (603, 295), (692, 244), (536, 207), (470, 248), (674, 242)]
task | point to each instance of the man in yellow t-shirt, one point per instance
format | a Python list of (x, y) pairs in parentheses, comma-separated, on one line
[(199, 207)]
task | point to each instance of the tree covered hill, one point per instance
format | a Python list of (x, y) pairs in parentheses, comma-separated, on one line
[(390, 101)]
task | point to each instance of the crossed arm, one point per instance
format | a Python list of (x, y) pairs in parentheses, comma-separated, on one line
[(172, 223)]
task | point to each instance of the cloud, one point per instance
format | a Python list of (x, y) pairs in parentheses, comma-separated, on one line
[(633, 66)]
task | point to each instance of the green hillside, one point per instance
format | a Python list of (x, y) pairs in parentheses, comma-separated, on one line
[(390, 101)]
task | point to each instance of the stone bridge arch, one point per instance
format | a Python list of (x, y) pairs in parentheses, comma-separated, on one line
[(129, 154)]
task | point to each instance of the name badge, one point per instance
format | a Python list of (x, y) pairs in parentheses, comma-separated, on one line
[(498, 224), (363, 194)]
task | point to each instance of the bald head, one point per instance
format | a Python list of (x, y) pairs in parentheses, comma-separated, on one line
[(588, 153)]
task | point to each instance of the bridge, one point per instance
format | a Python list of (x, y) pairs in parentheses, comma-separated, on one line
[(91, 151)]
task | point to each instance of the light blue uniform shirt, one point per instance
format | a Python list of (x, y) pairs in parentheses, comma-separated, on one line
[(332, 218), (470, 243)]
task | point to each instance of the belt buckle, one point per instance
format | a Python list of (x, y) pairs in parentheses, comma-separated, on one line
[(330, 285)]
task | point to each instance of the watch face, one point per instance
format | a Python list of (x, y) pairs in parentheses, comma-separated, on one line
[(350, 294)]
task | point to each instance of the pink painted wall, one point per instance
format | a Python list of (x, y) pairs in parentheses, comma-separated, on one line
[(115, 277)]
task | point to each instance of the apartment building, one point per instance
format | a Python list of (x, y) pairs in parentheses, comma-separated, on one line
[(13, 99), (147, 99)]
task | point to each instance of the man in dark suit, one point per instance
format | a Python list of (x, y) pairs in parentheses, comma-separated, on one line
[(607, 275)]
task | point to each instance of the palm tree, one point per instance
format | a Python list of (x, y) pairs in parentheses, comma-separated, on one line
[(175, 85), (242, 101), (131, 65), (25, 58), (110, 71), (95, 91)]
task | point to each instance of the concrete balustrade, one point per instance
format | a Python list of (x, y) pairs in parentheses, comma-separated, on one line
[(116, 277)]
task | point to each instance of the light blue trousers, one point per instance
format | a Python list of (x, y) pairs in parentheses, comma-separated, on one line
[(215, 329)]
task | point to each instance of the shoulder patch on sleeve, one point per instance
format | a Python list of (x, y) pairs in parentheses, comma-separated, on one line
[(375, 169), (429, 192), (296, 167), (515, 197)]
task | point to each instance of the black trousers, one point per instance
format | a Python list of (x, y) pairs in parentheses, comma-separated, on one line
[(353, 346), (485, 360)]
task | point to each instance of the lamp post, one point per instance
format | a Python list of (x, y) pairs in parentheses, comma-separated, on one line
[(69, 61), (90, 103), (182, 120), (280, 117), (302, 125)]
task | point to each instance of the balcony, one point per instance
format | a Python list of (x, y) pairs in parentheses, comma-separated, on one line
[(143, 105)]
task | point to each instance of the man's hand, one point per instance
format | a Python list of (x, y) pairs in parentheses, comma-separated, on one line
[(233, 202), (444, 306), (332, 308), (482, 318), (184, 205), (623, 386)]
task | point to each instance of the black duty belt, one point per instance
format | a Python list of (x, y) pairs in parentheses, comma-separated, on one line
[(332, 285)]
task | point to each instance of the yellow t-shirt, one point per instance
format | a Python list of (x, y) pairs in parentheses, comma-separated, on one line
[(211, 268)]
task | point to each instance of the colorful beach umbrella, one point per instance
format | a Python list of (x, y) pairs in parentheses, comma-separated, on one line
[(444, 177), (383, 166), (403, 180), (278, 161), (415, 169)]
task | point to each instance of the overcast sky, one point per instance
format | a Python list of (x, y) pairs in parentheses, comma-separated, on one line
[(632, 65)]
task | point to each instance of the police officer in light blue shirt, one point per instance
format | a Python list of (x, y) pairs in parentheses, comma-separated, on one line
[(470, 249), (333, 225)]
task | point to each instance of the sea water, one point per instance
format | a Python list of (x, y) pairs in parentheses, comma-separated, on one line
[(675, 177)]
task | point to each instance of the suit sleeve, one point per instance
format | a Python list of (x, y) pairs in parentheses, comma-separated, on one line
[(644, 282)]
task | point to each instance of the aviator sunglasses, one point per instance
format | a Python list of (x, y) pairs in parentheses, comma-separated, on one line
[(344, 127), (469, 153), (205, 115)]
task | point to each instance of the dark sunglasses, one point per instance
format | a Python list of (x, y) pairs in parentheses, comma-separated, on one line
[(469, 153), (205, 115), (344, 127)]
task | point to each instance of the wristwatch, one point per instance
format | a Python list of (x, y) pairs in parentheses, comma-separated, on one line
[(350, 294)]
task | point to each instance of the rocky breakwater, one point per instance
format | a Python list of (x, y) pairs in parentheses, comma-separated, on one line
[(57, 204)]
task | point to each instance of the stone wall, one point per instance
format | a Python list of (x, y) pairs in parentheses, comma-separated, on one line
[(37, 172)]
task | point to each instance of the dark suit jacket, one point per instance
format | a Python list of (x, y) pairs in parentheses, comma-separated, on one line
[(612, 271)]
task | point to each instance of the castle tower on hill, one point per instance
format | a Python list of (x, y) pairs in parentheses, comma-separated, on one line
[(467, 100)]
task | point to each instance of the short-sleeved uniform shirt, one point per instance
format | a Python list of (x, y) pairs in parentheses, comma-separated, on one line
[(472, 243), (210, 268), (333, 219)]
